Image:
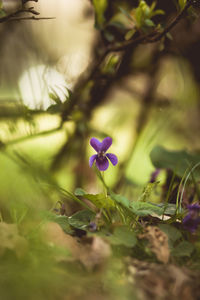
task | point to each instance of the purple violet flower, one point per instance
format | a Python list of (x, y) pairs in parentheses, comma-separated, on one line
[(101, 158), (192, 220)]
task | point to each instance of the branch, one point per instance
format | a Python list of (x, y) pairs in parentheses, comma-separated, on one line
[(144, 39), (32, 18), (173, 23), (25, 1), (153, 36), (12, 16)]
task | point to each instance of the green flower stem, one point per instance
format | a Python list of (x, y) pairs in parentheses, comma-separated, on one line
[(100, 175), (118, 208), (104, 185)]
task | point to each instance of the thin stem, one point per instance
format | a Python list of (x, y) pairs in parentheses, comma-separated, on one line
[(168, 194), (186, 179), (104, 187), (196, 185)]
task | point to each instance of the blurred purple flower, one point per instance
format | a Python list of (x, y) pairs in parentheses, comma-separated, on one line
[(192, 220), (92, 226), (154, 175), (101, 158)]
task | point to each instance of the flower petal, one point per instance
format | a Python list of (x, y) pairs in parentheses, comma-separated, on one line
[(106, 143), (95, 144), (102, 163), (92, 159), (194, 207), (190, 224), (113, 158)]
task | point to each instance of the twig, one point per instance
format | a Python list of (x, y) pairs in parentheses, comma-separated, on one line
[(25, 1), (172, 24), (12, 16), (153, 36), (31, 18)]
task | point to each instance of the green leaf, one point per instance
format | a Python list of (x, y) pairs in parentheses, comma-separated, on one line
[(157, 12), (138, 16), (73, 197), (79, 192), (120, 199), (141, 208), (183, 249), (124, 12), (147, 11), (111, 64), (123, 236), (2, 13), (99, 200), (168, 208), (182, 3), (55, 98), (138, 208), (177, 161), (169, 36), (109, 36), (130, 34), (145, 208), (149, 23), (153, 5), (64, 223), (144, 13), (81, 219), (121, 21), (100, 8), (173, 233), (61, 220)]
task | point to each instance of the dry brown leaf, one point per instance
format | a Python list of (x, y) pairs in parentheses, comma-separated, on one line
[(89, 251), (10, 239), (154, 281), (158, 241), (54, 235), (179, 278), (94, 253)]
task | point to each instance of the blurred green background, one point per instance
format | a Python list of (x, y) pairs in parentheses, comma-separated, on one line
[(155, 103), (39, 59)]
